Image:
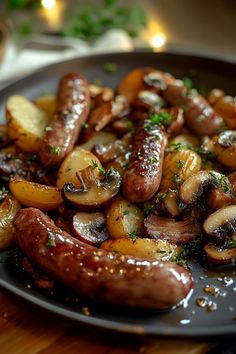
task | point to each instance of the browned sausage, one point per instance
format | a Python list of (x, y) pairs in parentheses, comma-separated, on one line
[(198, 114), (143, 176), (96, 273), (71, 112)]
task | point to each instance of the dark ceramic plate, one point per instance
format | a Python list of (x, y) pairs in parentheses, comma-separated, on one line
[(188, 319)]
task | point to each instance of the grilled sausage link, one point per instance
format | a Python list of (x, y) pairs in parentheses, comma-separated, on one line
[(96, 273), (143, 176), (198, 114), (71, 112)]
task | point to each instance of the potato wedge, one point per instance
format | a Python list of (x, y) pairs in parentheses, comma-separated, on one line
[(26, 123), (8, 210), (35, 195), (76, 161), (131, 84), (144, 248), (124, 219), (47, 103)]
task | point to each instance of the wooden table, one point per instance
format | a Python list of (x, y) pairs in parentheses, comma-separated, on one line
[(27, 329)]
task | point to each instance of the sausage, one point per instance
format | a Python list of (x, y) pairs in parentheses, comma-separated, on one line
[(71, 113), (198, 114), (96, 273), (142, 178)]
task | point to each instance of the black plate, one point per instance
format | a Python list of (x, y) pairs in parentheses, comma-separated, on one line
[(186, 320)]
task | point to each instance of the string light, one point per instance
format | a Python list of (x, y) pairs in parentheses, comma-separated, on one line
[(48, 4), (158, 40)]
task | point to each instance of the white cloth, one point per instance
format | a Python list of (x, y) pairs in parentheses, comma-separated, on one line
[(20, 62)]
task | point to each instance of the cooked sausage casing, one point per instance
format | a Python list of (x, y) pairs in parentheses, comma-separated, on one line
[(142, 178), (96, 273), (71, 112), (198, 114)]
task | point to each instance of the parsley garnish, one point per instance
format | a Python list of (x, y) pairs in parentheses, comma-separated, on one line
[(110, 68), (126, 212), (55, 150), (148, 208), (4, 190), (85, 125), (154, 160), (188, 83), (50, 241), (180, 164), (176, 147), (5, 178), (221, 181), (176, 179), (163, 118), (133, 235)]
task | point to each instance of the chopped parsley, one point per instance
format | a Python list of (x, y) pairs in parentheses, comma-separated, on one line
[(221, 181), (188, 83), (163, 118), (5, 178), (50, 241), (176, 147), (129, 125), (85, 125), (55, 150), (4, 190), (110, 68), (176, 179), (180, 260), (133, 235), (126, 212), (154, 160), (148, 208), (180, 164), (32, 158)]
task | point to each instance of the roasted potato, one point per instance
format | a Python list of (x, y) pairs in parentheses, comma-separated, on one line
[(47, 103), (76, 161), (124, 219), (8, 210), (177, 167), (144, 248), (35, 195), (26, 123)]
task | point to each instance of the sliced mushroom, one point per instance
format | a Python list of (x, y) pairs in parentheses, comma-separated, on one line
[(194, 187), (147, 99), (221, 222), (90, 227), (218, 255), (176, 232), (110, 151), (169, 203), (93, 192)]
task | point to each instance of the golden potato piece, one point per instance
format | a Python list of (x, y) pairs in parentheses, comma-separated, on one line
[(47, 103), (144, 248), (35, 195), (177, 167), (26, 123), (8, 210), (124, 219), (76, 161)]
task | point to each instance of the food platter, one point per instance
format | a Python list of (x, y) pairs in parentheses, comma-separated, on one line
[(186, 320)]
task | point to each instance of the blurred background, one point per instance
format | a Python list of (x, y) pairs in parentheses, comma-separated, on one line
[(52, 30)]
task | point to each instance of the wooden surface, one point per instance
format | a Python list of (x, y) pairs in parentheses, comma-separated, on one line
[(27, 329)]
